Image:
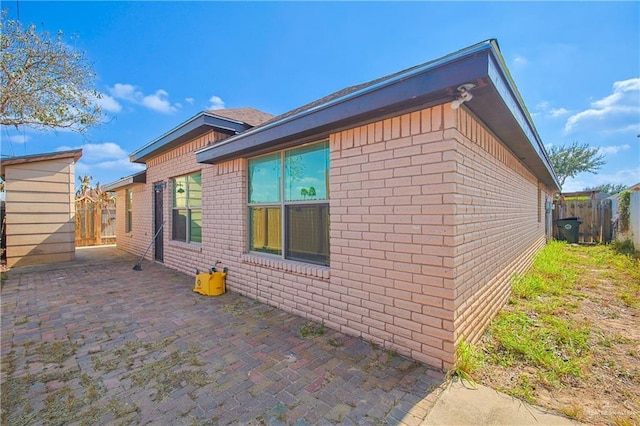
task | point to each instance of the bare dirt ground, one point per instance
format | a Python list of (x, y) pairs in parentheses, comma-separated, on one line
[(606, 300)]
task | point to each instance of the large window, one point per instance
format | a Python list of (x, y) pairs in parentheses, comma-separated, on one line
[(187, 208), (289, 203), (128, 219)]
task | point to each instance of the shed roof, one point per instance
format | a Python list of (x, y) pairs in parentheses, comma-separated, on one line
[(496, 101), (45, 156)]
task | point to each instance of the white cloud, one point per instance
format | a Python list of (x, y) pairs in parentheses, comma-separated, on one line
[(623, 101), (190, 101), (619, 88), (520, 61), (544, 109), (92, 152), (558, 112), (18, 138), (215, 103), (126, 92), (542, 106), (586, 180), (104, 156), (631, 128), (121, 164), (158, 101), (613, 149), (108, 103)]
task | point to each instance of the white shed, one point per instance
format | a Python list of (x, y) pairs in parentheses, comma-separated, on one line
[(40, 208)]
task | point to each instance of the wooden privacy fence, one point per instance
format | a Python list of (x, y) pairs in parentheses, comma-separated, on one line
[(595, 216), (95, 222)]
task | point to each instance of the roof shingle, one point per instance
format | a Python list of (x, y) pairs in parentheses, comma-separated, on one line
[(251, 116)]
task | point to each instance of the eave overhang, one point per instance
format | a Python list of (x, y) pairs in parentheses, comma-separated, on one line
[(495, 102), (500, 106), (47, 156), (137, 178), (196, 126)]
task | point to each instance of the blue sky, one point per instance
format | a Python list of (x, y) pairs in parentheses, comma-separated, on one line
[(576, 64)]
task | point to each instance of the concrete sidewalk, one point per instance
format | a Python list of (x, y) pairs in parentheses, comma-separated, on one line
[(464, 404), (93, 341)]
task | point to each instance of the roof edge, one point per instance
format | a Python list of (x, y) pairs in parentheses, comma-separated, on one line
[(361, 92), (45, 156), (524, 119), (136, 178), (193, 127)]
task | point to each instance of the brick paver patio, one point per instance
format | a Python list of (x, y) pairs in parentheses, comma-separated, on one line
[(95, 342)]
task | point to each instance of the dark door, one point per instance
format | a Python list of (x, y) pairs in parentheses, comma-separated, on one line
[(158, 220)]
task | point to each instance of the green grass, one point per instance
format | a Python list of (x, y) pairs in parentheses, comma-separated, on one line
[(624, 261), (625, 247), (311, 328), (468, 362), (547, 342), (536, 335)]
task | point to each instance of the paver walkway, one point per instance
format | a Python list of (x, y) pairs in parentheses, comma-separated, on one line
[(93, 342)]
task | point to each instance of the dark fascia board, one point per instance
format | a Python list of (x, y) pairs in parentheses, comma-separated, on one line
[(196, 126), (137, 178), (419, 89), (503, 83), (434, 83)]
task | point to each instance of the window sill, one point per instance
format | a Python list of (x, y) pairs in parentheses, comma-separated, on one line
[(300, 268), (194, 247)]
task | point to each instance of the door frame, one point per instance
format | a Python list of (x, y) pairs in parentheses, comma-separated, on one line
[(158, 220)]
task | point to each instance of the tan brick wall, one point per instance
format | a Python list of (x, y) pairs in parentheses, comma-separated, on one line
[(177, 162), (140, 236), (391, 267), (499, 224)]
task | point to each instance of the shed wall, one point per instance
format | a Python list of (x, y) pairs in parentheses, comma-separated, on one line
[(40, 212)]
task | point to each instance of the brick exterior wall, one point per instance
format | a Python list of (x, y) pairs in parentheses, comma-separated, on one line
[(162, 168), (390, 215), (430, 218), (499, 224), (134, 241)]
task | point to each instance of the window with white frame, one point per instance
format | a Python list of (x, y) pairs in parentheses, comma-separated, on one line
[(187, 208), (128, 219), (289, 203)]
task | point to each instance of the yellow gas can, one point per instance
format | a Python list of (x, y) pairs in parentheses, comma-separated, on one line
[(211, 283), (202, 283), (217, 283)]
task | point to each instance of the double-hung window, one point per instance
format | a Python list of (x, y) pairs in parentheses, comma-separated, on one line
[(128, 222), (187, 208), (289, 203)]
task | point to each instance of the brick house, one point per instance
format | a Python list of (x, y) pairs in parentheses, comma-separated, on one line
[(397, 210)]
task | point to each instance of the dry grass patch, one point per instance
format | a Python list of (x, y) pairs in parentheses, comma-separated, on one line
[(568, 339), (72, 396)]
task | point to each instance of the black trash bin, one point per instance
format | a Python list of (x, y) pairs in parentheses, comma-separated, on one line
[(569, 229)]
